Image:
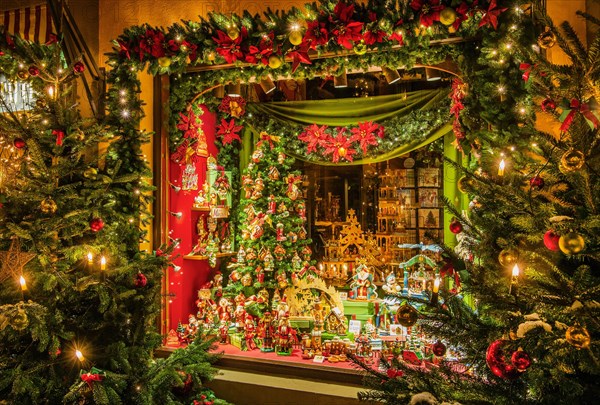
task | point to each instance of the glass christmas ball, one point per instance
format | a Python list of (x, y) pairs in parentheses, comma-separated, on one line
[(508, 257), (274, 61), (296, 37), (140, 280), (78, 67), (546, 39), (455, 227), (40, 103), (48, 206), (551, 241), (90, 173), (494, 358), (23, 74), (548, 104), (186, 386), (96, 224), (571, 243), (19, 143), (521, 360), (407, 315), (572, 160), (164, 61), (360, 48), (578, 336), (438, 348), (464, 184), (33, 71), (447, 16), (536, 183)]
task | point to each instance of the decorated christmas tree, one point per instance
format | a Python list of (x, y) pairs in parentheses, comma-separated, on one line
[(78, 299), (529, 243), (274, 250)]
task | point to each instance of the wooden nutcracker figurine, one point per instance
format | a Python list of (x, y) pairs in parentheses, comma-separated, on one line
[(250, 332), (266, 332), (224, 331), (284, 337)]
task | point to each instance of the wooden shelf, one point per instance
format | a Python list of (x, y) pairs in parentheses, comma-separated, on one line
[(201, 209), (199, 257)]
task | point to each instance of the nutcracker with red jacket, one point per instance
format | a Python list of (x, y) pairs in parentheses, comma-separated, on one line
[(250, 332), (284, 337), (224, 331), (265, 332), (225, 310), (240, 317)]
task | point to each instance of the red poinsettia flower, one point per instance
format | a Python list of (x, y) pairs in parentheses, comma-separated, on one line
[(152, 43), (346, 30), (179, 155), (373, 34), (490, 16), (228, 131), (339, 147), (365, 134), (461, 14), (429, 11), (188, 124), (124, 49), (263, 51), (228, 48), (316, 34), (299, 55), (314, 136)]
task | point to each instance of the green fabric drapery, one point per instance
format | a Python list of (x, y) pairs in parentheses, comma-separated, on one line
[(349, 111)]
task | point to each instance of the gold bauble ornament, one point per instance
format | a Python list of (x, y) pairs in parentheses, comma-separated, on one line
[(274, 61), (40, 103), (20, 321), (233, 32), (296, 37), (508, 257), (547, 39), (48, 206), (572, 160), (571, 243), (23, 74), (447, 16), (164, 61), (464, 183), (79, 135), (90, 173), (360, 48), (407, 315), (211, 56), (578, 336)]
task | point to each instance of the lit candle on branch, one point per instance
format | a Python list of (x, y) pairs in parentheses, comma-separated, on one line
[(24, 289), (90, 258), (79, 355), (103, 263), (435, 291), (501, 167), (514, 279)]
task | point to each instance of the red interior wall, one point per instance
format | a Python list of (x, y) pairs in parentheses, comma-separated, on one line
[(184, 284)]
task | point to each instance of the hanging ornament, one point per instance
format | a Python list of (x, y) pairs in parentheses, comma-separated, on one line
[(536, 183), (464, 184), (572, 160), (438, 348), (19, 143), (78, 67), (360, 48), (281, 158), (273, 173), (521, 360), (23, 74), (257, 155), (296, 37), (578, 336), (546, 39), (407, 315), (296, 261), (48, 206), (508, 257), (571, 243), (96, 224), (447, 16), (247, 280), (33, 71), (548, 104), (494, 358), (140, 280), (90, 173), (551, 241), (164, 61), (275, 62), (186, 386), (233, 32), (20, 321), (455, 226), (279, 252)]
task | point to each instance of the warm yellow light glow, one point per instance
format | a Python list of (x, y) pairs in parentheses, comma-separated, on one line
[(23, 283), (90, 258), (436, 285), (79, 355), (515, 271), (501, 168), (103, 263), (51, 91)]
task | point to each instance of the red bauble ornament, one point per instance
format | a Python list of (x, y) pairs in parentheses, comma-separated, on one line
[(187, 386), (520, 360), (551, 240), (456, 227), (140, 280), (438, 348), (494, 358), (96, 224), (19, 143), (78, 67), (33, 70), (536, 182), (548, 104)]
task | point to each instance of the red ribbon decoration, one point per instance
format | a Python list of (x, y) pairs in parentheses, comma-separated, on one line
[(291, 179), (583, 109), (60, 136), (89, 378), (526, 68), (447, 270)]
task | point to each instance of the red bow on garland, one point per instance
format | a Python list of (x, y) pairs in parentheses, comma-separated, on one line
[(269, 138), (291, 180), (448, 270), (571, 109), (60, 136), (94, 375), (526, 68)]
